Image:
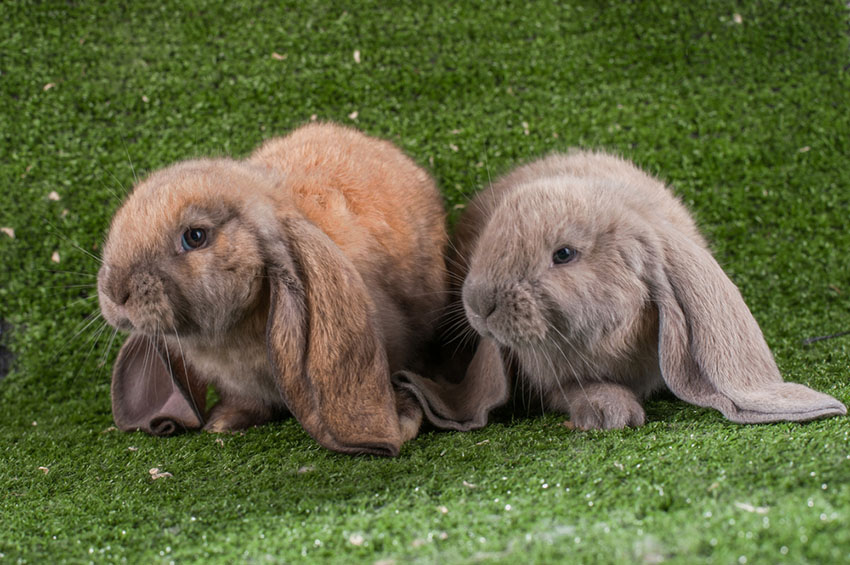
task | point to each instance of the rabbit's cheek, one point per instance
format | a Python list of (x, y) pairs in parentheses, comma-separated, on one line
[(249, 293), (222, 301)]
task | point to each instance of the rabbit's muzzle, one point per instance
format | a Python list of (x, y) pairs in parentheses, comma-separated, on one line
[(511, 315), (135, 300)]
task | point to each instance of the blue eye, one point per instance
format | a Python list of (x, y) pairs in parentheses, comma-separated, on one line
[(564, 255), (193, 238)]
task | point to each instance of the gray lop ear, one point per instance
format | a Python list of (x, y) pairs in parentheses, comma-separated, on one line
[(711, 349), (465, 404), (154, 390), (324, 346)]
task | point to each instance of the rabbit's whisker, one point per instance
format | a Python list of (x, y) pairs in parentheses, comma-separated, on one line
[(120, 184), (487, 166), (520, 382), (448, 292), (129, 160), (86, 323), (150, 357), (73, 244), (54, 271), (108, 347), (575, 373), (70, 286), (72, 304), (78, 329), (458, 327), (452, 320), (453, 313), (466, 340), (554, 372), (188, 388), (94, 338), (112, 192), (460, 262), (169, 364)]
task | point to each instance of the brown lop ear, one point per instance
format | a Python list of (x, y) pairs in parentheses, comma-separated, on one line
[(328, 356), (466, 404), (711, 349), (155, 390)]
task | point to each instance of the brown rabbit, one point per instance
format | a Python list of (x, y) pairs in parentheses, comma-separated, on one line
[(293, 281), (587, 280)]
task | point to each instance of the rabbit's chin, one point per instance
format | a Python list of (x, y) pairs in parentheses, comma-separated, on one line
[(123, 319)]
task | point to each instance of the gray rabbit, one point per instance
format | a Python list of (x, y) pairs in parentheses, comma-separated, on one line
[(586, 279)]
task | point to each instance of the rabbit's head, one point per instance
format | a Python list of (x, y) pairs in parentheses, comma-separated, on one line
[(187, 252), (559, 260)]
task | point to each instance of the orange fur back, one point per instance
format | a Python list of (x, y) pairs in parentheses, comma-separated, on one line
[(381, 209)]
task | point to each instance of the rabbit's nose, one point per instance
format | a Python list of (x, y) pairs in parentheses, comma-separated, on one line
[(117, 287), (122, 296), (480, 298)]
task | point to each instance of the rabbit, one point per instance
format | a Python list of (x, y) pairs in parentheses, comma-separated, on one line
[(588, 281), (294, 281)]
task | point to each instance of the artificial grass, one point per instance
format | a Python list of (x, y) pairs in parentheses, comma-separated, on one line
[(742, 106)]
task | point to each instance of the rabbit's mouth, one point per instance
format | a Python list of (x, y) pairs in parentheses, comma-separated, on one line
[(149, 323), (116, 315), (506, 331), (148, 319), (120, 322)]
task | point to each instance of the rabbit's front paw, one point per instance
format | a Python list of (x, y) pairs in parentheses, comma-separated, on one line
[(605, 406), (228, 417)]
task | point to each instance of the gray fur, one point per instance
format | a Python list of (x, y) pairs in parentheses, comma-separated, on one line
[(643, 306)]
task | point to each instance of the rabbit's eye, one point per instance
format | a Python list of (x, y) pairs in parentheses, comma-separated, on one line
[(564, 255), (193, 238)]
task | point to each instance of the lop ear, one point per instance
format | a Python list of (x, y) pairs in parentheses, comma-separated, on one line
[(155, 390), (326, 351), (464, 404), (711, 349)]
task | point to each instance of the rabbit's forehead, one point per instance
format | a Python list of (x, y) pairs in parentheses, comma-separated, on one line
[(514, 237), (153, 216), (166, 205), (538, 213)]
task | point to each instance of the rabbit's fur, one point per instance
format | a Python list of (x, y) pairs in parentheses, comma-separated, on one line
[(641, 304), (321, 272)]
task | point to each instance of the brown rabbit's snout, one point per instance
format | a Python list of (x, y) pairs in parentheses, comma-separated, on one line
[(116, 286), (510, 314), (134, 299)]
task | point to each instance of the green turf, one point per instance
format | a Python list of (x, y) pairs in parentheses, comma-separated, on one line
[(746, 115)]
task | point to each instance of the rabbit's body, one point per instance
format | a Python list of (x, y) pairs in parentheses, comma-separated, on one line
[(577, 365), (588, 277), (319, 270), (383, 212)]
